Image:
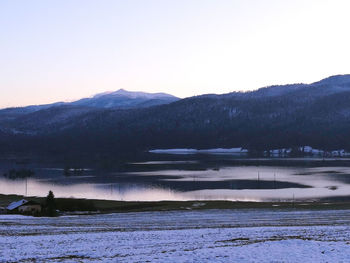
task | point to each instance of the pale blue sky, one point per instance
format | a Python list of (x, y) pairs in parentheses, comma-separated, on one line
[(67, 49)]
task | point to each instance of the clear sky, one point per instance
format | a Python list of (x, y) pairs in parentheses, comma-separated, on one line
[(60, 50)]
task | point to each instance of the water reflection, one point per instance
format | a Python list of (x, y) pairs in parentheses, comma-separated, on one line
[(83, 190), (238, 183)]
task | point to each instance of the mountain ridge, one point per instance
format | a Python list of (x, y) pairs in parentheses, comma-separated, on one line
[(316, 114), (119, 99), (340, 79)]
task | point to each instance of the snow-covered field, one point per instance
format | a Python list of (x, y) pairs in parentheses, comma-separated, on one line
[(180, 236)]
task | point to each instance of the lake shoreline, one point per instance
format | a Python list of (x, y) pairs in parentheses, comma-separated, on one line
[(71, 206)]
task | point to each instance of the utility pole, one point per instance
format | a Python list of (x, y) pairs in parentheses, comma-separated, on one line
[(26, 193)]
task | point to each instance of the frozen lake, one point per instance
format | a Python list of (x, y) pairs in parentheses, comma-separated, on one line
[(180, 236)]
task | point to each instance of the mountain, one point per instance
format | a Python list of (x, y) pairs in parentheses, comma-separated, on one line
[(120, 99), (285, 116), (123, 99)]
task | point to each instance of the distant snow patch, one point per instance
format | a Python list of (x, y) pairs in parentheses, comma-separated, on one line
[(206, 151)]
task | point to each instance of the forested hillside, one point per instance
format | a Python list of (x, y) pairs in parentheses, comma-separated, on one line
[(316, 114)]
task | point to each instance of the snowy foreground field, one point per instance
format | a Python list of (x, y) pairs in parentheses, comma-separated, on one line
[(180, 236)]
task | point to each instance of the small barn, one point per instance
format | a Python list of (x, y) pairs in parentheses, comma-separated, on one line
[(24, 207)]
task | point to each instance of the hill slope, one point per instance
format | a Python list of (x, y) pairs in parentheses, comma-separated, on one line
[(120, 99), (316, 114)]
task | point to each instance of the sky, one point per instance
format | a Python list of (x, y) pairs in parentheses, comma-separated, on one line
[(62, 50)]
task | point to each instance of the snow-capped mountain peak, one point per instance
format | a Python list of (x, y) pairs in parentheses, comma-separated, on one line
[(133, 94), (126, 99)]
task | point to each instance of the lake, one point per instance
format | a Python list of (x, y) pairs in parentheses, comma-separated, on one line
[(195, 177)]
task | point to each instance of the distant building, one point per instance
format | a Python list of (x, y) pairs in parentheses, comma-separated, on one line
[(31, 207), (25, 207), (14, 205)]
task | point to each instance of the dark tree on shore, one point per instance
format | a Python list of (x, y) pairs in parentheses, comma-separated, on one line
[(50, 204)]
